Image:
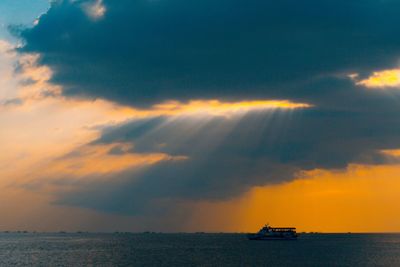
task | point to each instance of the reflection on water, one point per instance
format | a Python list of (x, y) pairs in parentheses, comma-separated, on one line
[(197, 250)]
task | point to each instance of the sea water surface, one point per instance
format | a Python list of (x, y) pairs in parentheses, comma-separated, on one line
[(89, 249)]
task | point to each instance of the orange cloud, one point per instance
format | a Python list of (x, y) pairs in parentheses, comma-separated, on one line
[(381, 79), (94, 10), (216, 107), (392, 152)]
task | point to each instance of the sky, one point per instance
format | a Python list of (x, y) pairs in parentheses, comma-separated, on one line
[(171, 115)]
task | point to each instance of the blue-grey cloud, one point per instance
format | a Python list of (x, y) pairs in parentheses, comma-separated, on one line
[(144, 52)]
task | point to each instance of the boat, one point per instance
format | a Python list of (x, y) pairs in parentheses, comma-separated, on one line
[(274, 233)]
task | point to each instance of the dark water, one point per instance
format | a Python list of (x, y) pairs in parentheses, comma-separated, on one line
[(197, 250)]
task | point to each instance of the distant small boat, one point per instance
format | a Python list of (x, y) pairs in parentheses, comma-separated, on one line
[(274, 233)]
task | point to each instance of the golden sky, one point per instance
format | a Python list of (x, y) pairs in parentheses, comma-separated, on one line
[(52, 138)]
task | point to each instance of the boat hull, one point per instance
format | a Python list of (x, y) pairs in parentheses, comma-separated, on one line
[(264, 238)]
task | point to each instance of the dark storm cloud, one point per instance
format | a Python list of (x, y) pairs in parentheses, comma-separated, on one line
[(146, 52)]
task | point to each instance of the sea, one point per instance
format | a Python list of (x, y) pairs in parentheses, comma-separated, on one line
[(197, 249)]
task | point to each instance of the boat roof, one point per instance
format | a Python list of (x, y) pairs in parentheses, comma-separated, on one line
[(283, 228)]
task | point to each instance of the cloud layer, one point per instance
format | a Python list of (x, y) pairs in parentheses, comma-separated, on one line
[(146, 53)]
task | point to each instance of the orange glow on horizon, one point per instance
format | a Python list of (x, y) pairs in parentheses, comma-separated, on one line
[(359, 199)]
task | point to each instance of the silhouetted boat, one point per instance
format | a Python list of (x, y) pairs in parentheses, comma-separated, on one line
[(274, 233)]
